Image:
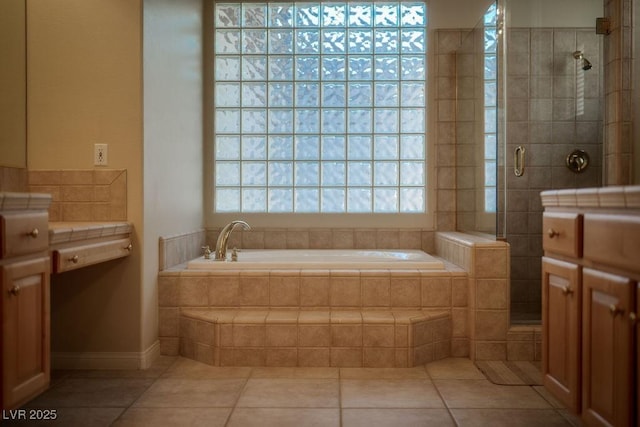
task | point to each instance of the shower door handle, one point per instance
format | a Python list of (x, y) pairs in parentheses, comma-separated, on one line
[(518, 160)]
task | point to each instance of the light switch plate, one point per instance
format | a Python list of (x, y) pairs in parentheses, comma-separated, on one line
[(100, 154)]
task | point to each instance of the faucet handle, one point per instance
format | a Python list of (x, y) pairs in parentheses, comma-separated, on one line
[(207, 252)]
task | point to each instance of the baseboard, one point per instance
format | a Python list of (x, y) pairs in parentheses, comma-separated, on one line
[(106, 360)]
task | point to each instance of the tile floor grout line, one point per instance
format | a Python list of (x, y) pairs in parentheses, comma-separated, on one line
[(444, 402)]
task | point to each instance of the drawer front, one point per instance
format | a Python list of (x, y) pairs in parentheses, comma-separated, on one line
[(613, 240), (562, 233), (23, 233), (82, 256)]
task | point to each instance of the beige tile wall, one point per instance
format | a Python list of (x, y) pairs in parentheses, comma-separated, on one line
[(83, 194), (13, 179)]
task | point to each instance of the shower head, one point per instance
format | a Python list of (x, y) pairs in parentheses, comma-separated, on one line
[(586, 65)]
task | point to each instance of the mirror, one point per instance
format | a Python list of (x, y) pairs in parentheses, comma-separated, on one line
[(13, 84)]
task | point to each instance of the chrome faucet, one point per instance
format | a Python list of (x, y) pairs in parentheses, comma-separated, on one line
[(223, 238)]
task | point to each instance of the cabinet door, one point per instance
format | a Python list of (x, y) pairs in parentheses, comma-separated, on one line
[(25, 330), (607, 362), (561, 297)]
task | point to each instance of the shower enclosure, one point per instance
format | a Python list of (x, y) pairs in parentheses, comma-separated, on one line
[(529, 118)]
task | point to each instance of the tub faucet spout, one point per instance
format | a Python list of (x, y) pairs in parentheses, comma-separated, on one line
[(223, 238)]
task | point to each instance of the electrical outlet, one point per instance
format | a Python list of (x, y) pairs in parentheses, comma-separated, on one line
[(100, 152)]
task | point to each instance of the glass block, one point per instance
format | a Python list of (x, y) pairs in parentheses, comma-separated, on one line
[(227, 67), (386, 41), (280, 121), (360, 94), (227, 200), (386, 95), (280, 68), (359, 200), (333, 200), (385, 120), (412, 147), (413, 94), (254, 95), (413, 41), (333, 121), (254, 14), (280, 147), (280, 200), (359, 173), (490, 200), (227, 120), (490, 173), (360, 15), (281, 95), (254, 200), (307, 147), (254, 173), (254, 68), (414, 15), (333, 94), (227, 95), (280, 174), (307, 200), (490, 120), (307, 121), (333, 68), (334, 174), (307, 41), (307, 95), (227, 15), (411, 173), (386, 15), (280, 15), (333, 147), (307, 68), (227, 148), (280, 42), (490, 93), (490, 16), (490, 40), (307, 14), (334, 41), (307, 173), (254, 121), (490, 67), (385, 147), (254, 42), (385, 174), (227, 41), (359, 148), (385, 200), (412, 120), (387, 68), (254, 148), (360, 120), (227, 173), (490, 146), (412, 67), (360, 41), (334, 15), (412, 200), (360, 68)]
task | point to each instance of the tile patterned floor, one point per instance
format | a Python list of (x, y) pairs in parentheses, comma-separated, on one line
[(181, 392)]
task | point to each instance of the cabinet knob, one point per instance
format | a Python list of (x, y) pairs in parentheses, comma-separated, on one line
[(33, 233), (614, 310), (15, 290), (74, 259), (128, 247), (552, 233), (633, 318), (567, 290)]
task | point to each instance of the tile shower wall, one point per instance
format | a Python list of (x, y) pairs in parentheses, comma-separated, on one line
[(549, 116)]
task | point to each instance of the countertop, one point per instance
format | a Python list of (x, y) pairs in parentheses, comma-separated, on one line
[(66, 232), (616, 197)]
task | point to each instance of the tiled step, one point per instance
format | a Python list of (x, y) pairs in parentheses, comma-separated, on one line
[(343, 338)]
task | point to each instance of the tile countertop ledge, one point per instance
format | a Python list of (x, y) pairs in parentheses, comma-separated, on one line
[(616, 197), (24, 201), (66, 232)]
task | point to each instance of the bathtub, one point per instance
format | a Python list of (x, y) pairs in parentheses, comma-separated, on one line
[(325, 259)]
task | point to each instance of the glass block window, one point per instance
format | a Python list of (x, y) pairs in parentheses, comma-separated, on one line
[(320, 107), (490, 107)]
